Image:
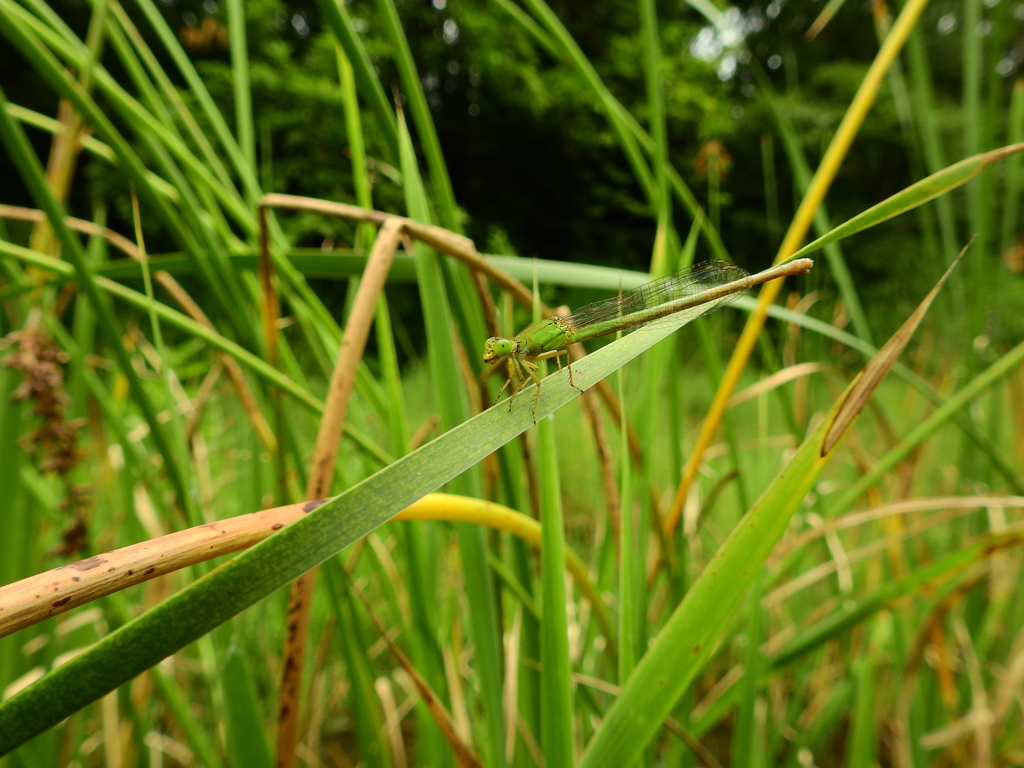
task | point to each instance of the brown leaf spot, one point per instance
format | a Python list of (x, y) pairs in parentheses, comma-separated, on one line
[(88, 564)]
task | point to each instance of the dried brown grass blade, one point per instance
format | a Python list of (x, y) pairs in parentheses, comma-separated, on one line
[(325, 454), (876, 369), (455, 245), (464, 753), (120, 242)]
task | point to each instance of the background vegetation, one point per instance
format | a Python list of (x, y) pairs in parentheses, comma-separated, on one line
[(884, 629)]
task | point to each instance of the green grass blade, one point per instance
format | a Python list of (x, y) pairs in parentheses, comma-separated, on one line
[(442, 185), (72, 52), (914, 195), (36, 120), (119, 34), (392, 379), (356, 143), (240, 82), (196, 734), (629, 570), (578, 60), (181, 321), (1008, 472), (212, 197), (58, 78), (247, 733), (628, 131), (822, 223), (526, 21), (1014, 168), (365, 704), (15, 515), (686, 640), (556, 670), (942, 577), (84, 328), (340, 22), (656, 105), (54, 21), (748, 736), (127, 52), (453, 406), (860, 743), (185, 323), (973, 114), (926, 113), (246, 172), (32, 174), (689, 636)]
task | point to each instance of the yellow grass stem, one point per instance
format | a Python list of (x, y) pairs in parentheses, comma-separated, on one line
[(820, 184), (75, 584)]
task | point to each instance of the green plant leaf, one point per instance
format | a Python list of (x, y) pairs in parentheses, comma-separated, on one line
[(278, 560), (695, 627), (916, 194)]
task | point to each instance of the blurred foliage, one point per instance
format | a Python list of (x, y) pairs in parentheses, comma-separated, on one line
[(512, 118)]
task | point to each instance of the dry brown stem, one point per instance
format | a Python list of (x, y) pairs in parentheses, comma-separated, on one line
[(325, 454)]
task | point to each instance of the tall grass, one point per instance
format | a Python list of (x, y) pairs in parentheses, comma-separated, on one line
[(713, 562)]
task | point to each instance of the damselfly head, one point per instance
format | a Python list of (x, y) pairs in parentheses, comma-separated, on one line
[(496, 348)]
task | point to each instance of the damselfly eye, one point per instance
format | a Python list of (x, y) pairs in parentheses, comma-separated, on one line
[(496, 348)]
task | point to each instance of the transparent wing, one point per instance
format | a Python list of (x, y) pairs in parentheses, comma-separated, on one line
[(640, 303)]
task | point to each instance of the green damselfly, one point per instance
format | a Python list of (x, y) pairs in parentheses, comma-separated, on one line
[(677, 298)]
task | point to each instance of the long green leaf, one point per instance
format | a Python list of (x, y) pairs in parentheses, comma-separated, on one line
[(365, 704), (1014, 168), (926, 114), (402, 54), (914, 195), (12, 21), (247, 735), (369, 85), (556, 670), (245, 171), (278, 560), (15, 514), (21, 153), (550, 21), (628, 131), (198, 737), (689, 637), (240, 82), (453, 406), (185, 323), (656, 105)]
